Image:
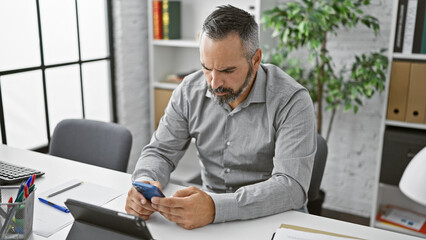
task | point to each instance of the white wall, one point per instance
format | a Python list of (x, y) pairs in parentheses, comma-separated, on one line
[(132, 84), (349, 175)]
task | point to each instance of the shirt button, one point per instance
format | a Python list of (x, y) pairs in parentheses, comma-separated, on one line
[(229, 188), (227, 170), (228, 143)]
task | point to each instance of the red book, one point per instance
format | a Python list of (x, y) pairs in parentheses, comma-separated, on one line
[(157, 19)]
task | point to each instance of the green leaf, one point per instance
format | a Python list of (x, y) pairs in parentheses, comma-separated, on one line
[(276, 32), (353, 92), (355, 109), (286, 35), (302, 27), (358, 101), (347, 106)]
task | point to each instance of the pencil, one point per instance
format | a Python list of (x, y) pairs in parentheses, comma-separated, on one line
[(63, 190)]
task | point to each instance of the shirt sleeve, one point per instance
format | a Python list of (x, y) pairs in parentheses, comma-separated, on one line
[(168, 143), (286, 189)]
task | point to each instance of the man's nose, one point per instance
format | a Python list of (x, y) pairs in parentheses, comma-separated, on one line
[(217, 80)]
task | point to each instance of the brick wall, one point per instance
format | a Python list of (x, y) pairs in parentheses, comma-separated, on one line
[(349, 177)]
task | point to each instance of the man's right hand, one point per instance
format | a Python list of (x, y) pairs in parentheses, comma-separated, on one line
[(136, 203)]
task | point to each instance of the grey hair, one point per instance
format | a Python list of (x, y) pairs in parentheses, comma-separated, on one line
[(228, 19)]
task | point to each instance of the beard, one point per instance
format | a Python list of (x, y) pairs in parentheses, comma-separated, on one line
[(232, 95)]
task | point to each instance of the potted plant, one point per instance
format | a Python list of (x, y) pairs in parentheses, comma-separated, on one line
[(307, 24)]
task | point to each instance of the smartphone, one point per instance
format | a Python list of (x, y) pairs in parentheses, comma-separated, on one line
[(148, 190)]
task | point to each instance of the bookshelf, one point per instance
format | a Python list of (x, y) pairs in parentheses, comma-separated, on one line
[(182, 55), (412, 139)]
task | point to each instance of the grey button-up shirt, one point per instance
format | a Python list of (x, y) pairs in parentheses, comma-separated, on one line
[(256, 159)]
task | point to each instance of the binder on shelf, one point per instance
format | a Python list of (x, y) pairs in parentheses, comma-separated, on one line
[(419, 27), (171, 19), (410, 22), (416, 101), (400, 25), (398, 90), (157, 15), (161, 99)]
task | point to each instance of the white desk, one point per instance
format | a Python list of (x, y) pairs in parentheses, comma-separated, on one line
[(59, 170)]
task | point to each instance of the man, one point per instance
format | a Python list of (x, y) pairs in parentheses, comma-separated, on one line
[(254, 131)]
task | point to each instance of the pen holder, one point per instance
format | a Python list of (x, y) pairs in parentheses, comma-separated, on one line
[(16, 218)]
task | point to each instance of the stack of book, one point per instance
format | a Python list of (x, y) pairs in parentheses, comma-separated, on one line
[(410, 32), (166, 19)]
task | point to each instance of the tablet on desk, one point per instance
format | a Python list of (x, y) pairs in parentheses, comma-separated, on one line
[(94, 222)]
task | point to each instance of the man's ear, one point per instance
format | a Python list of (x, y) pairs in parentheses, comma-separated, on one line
[(257, 58)]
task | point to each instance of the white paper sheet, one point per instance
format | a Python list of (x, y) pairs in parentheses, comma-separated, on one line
[(290, 234), (48, 220)]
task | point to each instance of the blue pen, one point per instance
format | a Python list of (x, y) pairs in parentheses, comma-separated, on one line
[(21, 188), (63, 209), (29, 182)]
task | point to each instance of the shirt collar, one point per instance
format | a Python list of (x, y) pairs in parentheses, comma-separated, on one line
[(258, 90)]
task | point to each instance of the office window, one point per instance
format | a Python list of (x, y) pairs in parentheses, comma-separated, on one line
[(55, 63), (96, 87), (19, 41), (93, 31), (59, 31), (63, 94), (23, 107)]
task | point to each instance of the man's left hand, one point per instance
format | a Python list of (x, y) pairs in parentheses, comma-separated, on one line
[(189, 207)]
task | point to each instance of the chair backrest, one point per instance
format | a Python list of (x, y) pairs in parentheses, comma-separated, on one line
[(98, 143), (318, 168)]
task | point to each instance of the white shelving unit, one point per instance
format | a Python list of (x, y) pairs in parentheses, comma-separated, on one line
[(405, 124), (179, 56), (413, 56), (165, 85), (176, 43), (386, 193)]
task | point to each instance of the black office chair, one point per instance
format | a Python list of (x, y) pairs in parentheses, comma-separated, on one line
[(98, 143), (315, 195)]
